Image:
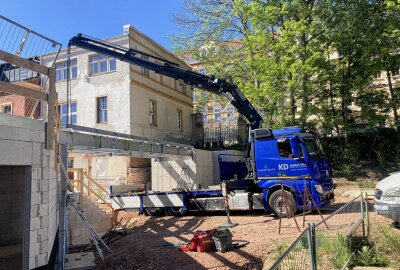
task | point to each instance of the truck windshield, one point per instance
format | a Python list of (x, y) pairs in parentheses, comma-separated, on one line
[(314, 147)]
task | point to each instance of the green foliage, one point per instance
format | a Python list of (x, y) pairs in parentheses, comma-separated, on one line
[(367, 256), (340, 251), (279, 250), (368, 184), (386, 241), (283, 56)]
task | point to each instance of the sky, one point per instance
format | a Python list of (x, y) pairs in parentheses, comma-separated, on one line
[(60, 20)]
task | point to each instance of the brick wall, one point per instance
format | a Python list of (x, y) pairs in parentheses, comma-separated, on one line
[(21, 106)]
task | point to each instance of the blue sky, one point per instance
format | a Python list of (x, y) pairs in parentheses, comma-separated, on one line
[(61, 20)]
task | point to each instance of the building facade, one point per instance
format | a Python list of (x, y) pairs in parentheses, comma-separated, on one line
[(113, 95), (110, 94)]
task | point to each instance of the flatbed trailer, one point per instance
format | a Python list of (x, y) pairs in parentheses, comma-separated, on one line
[(178, 203)]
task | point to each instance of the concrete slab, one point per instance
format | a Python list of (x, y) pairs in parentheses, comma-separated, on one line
[(80, 261), (21, 122), (355, 192)]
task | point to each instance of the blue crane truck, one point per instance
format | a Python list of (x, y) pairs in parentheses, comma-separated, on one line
[(288, 158)]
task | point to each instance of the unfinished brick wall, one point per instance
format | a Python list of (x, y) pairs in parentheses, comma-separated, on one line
[(22, 141)]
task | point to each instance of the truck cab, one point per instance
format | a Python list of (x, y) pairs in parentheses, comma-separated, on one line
[(294, 159)]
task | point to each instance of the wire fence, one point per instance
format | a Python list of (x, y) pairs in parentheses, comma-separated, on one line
[(330, 243), (16, 39), (298, 255)]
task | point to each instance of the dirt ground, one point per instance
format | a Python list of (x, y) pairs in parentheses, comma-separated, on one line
[(150, 242)]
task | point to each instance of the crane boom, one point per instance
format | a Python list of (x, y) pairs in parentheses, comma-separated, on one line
[(173, 70)]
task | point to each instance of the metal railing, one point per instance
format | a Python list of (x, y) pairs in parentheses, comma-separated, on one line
[(22, 42), (224, 136), (328, 244)]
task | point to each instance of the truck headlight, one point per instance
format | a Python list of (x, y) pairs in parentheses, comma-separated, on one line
[(391, 194), (319, 189)]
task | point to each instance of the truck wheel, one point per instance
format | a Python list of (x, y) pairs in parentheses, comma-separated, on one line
[(275, 201), (154, 211), (176, 211)]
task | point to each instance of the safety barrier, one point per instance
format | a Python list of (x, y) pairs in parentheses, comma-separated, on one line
[(328, 244)]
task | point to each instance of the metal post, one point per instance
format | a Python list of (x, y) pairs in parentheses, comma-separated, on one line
[(62, 242), (311, 246), (367, 213), (362, 214)]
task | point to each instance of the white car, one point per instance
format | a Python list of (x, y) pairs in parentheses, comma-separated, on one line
[(387, 197)]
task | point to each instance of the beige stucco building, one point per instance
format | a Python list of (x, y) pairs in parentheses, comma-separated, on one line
[(110, 94)]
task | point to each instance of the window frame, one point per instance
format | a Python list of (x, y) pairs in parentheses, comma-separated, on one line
[(108, 60), (6, 104), (64, 69), (179, 120), (72, 113), (287, 142), (152, 104), (98, 110)]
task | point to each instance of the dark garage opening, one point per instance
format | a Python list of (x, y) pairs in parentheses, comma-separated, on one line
[(14, 216)]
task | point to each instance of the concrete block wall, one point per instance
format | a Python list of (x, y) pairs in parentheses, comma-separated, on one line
[(22, 143)]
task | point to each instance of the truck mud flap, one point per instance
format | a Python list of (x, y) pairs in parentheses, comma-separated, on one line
[(258, 201)]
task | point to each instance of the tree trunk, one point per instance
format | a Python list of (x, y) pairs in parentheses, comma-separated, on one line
[(392, 100), (292, 109)]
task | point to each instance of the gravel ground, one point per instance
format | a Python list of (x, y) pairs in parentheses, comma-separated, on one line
[(149, 244)]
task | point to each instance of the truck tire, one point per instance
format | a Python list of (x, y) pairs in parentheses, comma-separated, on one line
[(154, 211), (275, 201), (176, 211)]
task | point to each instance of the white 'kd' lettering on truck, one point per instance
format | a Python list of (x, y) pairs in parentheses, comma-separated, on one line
[(283, 166)]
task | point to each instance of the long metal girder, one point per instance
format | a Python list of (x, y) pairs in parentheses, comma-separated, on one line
[(90, 140), (173, 70)]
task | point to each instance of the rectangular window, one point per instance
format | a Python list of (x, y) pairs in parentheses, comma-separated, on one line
[(61, 70), (102, 113), (179, 126), (101, 64), (143, 70), (284, 147), (153, 113), (63, 110), (378, 75), (6, 108)]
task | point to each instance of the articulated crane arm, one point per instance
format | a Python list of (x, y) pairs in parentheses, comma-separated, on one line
[(173, 70)]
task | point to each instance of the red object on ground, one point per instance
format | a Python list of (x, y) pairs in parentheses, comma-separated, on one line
[(205, 242), (201, 242)]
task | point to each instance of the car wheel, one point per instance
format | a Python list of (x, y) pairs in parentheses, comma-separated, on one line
[(276, 202)]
